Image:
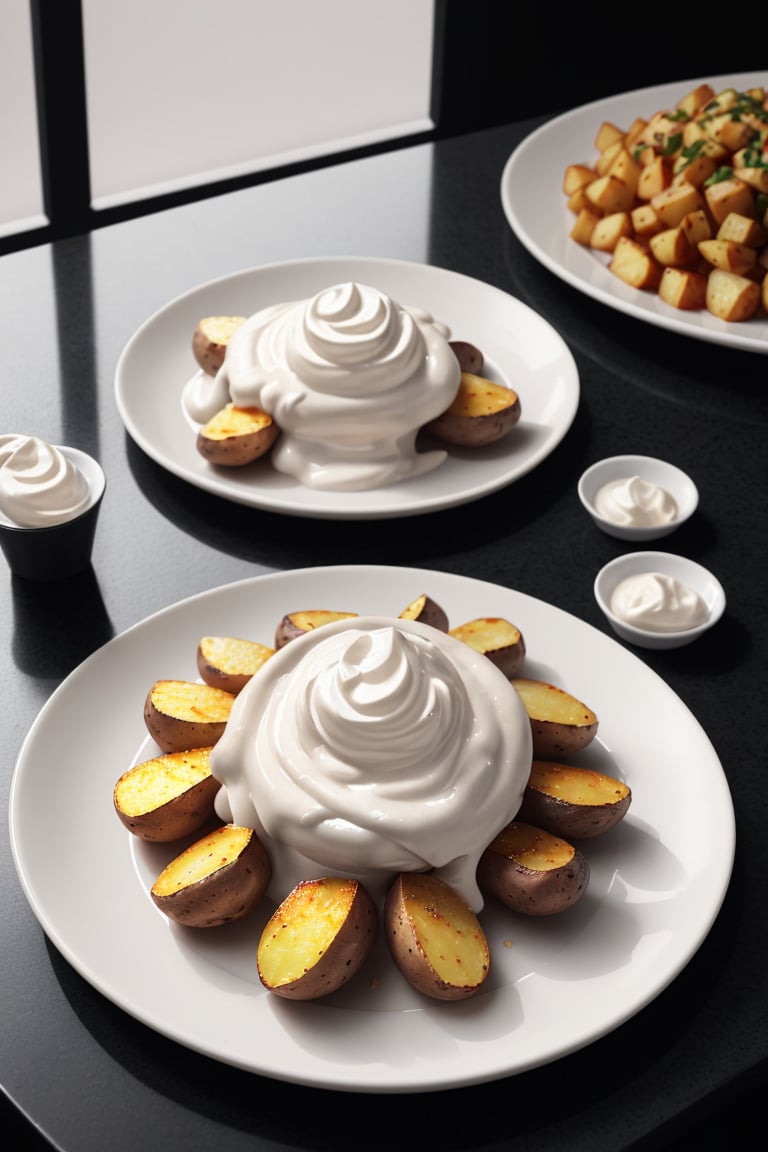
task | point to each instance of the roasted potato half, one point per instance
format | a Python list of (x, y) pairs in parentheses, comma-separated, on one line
[(182, 714), (318, 938), (574, 802), (210, 340), (236, 436), (217, 879), (481, 413), (228, 662), (295, 624), (560, 723), (434, 937), (498, 639), (167, 797), (426, 611), (533, 872)]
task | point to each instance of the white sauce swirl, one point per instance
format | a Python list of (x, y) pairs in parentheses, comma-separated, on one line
[(636, 503), (658, 603), (348, 375), (39, 486), (374, 747)]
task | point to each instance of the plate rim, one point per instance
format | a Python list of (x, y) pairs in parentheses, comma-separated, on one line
[(639, 306), (349, 506), (316, 1073)]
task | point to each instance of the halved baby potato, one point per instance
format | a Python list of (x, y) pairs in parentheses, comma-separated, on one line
[(236, 436), (167, 797), (481, 413), (216, 880), (498, 639), (317, 939), (426, 611), (210, 340), (574, 802), (295, 624), (228, 662), (533, 872), (434, 937), (560, 723), (182, 714)]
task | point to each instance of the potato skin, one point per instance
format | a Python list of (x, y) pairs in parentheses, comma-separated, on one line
[(530, 891), (222, 896), (551, 740), (469, 356), (568, 818), (341, 959), (426, 611)]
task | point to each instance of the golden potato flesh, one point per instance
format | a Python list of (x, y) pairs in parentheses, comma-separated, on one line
[(317, 939), (182, 714), (216, 880), (435, 938), (498, 639), (560, 723), (229, 662), (167, 797), (236, 436)]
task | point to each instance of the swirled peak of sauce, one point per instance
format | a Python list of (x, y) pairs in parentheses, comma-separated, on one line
[(633, 502), (371, 747), (658, 603), (348, 375), (39, 485)]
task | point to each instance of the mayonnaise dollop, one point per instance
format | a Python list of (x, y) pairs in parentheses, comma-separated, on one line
[(348, 375), (636, 503), (658, 603), (372, 747), (39, 486)]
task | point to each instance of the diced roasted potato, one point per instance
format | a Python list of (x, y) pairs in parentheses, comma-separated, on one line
[(481, 413), (217, 879), (469, 356), (236, 436), (742, 230), (167, 797), (498, 639), (577, 176), (675, 202), (575, 802), (295, 624), (584, 225), (210, 340), (608, 229), (228, 662), (728, 254), (683, 288), (672, 247), (635, 264), (610, 194), (726, 196), (434, 937), (730, 296), (182, 714), (426, 611), (560, 723), (533, 872), (318, 938)]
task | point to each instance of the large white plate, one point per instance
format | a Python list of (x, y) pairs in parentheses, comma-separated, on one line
[(534, 204), (522, 350), (555, 985)]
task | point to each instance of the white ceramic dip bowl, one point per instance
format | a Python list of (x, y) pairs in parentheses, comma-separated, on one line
[(648, 471)]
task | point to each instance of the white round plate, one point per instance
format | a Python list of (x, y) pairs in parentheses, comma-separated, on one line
[(555, 984), (521, 349), (535, 206)]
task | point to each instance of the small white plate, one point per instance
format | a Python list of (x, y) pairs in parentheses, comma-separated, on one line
[(650, 471), (554, 985), (535, 206), (520, 348)]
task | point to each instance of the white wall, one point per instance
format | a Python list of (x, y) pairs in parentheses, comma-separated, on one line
[(21, 193), (182, 92)]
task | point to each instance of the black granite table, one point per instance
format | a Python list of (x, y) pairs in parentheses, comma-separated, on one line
[(86, 1075)]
